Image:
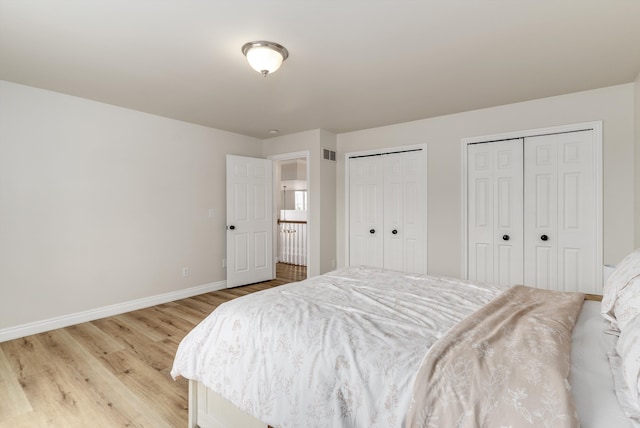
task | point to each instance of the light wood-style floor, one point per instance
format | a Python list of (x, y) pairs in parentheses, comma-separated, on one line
[(112, 372)]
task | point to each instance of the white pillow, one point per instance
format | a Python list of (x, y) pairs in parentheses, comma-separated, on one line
[(627, 305), (624, 273), (628, 405)]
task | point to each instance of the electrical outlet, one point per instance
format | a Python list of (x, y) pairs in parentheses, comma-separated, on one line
[(185, 271), (224, 263), (212, 212)]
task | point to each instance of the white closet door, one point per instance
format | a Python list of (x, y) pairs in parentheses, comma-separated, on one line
[(404, 209), (366, 211), (508, 208), (480, 216), (415, 212), (495, 204), (560, 208), (394, 211)]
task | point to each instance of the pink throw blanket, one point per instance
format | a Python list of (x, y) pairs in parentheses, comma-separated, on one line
[(505, 365)]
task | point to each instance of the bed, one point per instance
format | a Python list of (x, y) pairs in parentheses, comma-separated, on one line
[(350, 348)]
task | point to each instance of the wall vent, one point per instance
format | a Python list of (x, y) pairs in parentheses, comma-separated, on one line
[(329, 155)]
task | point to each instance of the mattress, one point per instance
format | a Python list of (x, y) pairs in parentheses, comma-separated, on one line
[(590, 377)]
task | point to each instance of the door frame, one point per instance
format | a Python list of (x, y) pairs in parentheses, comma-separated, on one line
[(305, 154), (386, 150), (595, 126)]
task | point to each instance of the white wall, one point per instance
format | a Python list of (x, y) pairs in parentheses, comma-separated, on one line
[(321, 192), (612, 105), (637, 162), (328, 196), (101, 205)]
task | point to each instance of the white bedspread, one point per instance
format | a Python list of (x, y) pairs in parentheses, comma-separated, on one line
[(340, 349)]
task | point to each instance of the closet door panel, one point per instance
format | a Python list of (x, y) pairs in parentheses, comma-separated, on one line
[(495, 212), (480, 215), (545, 268), (508, 206), (405, 243), (393, 211), (576, 213), (482, 269), (414, 210), (414, 228), (366, 211), (541, 212), (561, 208)]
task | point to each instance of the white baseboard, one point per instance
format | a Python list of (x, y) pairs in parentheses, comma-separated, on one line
[(36, 327)]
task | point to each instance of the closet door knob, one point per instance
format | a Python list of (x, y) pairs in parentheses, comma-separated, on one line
[(394, 231), (544, 237), (232, 227), (505, 237), (372, 231)]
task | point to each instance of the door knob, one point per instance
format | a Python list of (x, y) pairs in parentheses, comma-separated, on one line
[(372, 231), (232, 227), (544, 237), (394, 231), (505, 237)]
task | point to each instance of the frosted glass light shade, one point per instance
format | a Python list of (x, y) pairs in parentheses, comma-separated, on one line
[(265, 57)]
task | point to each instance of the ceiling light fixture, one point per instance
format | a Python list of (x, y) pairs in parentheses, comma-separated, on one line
[(265, 57)]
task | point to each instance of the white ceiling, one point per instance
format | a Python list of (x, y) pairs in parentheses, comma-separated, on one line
[(353, 64)]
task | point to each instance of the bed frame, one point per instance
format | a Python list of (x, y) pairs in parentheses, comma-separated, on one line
[(208, 409)]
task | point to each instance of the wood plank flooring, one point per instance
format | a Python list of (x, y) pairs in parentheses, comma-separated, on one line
[(112, 372)]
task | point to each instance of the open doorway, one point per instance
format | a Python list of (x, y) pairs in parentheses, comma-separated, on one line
[(292, 216)]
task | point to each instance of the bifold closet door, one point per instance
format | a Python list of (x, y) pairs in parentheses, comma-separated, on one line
[(366, 187), (495, 212), (387, 211), (560, 212), (404, 212)]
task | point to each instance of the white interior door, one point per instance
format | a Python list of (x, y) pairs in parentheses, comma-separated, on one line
[(366, 234), (495, 212), (249, 220), (404, 210), (560, 207)]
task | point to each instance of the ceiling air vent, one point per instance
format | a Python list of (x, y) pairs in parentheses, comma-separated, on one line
[(329, 155)]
